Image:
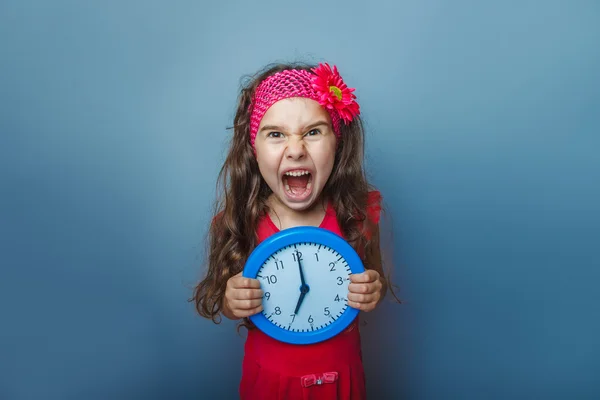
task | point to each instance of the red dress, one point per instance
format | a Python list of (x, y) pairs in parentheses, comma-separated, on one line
[(332, 369)]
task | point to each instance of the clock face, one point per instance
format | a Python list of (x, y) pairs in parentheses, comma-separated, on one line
[(304, 273), (305, 287)]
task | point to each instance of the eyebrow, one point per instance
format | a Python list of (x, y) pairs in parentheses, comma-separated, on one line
[(278, 128)]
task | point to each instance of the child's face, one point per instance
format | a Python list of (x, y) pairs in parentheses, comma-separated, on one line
[(295, 149)]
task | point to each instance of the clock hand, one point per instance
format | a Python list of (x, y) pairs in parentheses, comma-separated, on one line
[(300, 268), (302, 294), (303, 287)]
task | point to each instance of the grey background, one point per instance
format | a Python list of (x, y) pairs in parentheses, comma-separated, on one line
[(483, 132)]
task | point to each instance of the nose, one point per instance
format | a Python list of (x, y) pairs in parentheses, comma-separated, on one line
[(295, 149)]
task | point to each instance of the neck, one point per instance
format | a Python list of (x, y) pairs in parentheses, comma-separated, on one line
[(284, 217)]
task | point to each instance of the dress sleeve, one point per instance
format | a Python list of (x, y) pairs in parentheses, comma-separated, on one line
[(374, 206), (373, 212)]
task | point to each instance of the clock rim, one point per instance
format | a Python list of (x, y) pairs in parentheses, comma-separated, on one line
[(296, 235)]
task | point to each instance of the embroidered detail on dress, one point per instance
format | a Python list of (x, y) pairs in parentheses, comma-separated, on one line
[(313, 379)]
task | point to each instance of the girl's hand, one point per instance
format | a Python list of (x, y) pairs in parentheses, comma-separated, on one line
[(243, 297), (364, 290)]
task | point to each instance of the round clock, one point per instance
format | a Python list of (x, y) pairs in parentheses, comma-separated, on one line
[(304, 273)]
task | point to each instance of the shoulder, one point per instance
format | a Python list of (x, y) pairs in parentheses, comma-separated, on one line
[(372, 213), (217, 218), (373, 209), (217, 223)]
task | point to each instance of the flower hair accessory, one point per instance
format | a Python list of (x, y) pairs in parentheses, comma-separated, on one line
[(322, 84), (333, 92)]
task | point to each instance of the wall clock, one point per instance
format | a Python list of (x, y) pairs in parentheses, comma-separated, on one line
[(304, 273)]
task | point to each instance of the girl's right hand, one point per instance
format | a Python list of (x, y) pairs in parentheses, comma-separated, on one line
[(243, 297)]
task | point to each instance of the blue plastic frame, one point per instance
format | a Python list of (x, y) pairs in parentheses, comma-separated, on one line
[(296, 235)]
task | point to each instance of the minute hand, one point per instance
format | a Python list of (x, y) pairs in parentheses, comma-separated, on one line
[(300, 268), (303, 287)]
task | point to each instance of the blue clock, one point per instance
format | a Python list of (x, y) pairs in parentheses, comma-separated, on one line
[(304, 273)]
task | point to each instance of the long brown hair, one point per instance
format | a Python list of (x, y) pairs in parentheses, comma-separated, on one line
[(242, 198)]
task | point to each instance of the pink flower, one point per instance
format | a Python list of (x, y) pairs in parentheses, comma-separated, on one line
[(333, 92)]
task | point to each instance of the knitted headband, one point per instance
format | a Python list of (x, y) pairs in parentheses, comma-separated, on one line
[(321, 84)]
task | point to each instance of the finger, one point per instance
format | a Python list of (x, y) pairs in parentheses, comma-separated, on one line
[(246, 294), (244, 305), (243, 282), (248, 313), (364, 287), (362, 306), (358, 288), (362, 298), (358, 278), (365, 277)]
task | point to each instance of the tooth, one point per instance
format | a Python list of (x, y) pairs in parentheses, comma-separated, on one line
[(297, 173), (308, 185), (287, 187)]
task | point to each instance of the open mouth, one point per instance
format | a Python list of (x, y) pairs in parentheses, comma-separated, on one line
[(297, 183)]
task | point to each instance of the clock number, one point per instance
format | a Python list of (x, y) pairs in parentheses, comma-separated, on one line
[(316, 255), (293, 318), (273, 279), (277, 310), (340, 280), (299, 255), (310, 319), (267, 295), (278, 263), (326, 311), (332, 265), (337, 297)]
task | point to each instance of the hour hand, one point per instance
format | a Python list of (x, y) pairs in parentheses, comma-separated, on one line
[(302, 294)]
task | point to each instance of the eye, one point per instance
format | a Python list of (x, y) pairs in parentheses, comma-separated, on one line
[(275, 134), (313, 132)]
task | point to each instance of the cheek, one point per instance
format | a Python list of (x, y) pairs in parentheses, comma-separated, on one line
[(268, 163), (324, 158)]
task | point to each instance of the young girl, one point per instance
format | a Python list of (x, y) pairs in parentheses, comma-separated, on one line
[(296, 158)]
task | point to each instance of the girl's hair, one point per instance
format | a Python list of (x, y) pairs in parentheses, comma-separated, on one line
[(243, 194)]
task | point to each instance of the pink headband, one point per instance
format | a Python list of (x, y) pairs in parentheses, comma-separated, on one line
[(323, 85)]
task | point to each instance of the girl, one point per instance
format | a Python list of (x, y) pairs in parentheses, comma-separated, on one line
[(296, 158)]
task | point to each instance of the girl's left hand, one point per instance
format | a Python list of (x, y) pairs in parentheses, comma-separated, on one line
[(364, 290)]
